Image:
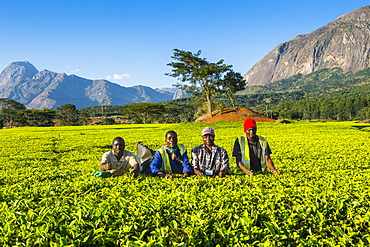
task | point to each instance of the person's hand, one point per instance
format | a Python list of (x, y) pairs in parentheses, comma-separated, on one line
[(249, 172), (276, 172), (198, 173), (106, 167), (135, 173), (186, 174), (161, 174), (221, 174)]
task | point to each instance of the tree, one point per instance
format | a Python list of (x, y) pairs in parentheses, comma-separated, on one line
[(197, 76), (28, 117), (178, 113), (144, 111), (68, 114), (8, 112), (364, 113), (230, 84)]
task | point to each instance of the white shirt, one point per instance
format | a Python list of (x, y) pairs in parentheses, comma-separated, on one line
[(127, 160)]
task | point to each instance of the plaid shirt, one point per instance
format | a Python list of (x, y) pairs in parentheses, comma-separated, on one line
[(203, 158)]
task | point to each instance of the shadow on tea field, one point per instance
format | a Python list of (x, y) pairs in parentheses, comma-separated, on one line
[(360, 127)]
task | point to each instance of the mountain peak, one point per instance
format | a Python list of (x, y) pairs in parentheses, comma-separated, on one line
[(17, 72), (22, 63), (360, 14), (24, 66), (340, 44)]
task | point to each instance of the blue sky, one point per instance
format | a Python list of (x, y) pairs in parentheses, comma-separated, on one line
[(131, 42)]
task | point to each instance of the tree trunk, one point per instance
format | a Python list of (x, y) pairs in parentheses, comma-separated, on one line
[(232, 100), (209, 103)]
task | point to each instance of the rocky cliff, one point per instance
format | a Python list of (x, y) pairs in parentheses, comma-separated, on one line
[(22, 82), (343, 43)]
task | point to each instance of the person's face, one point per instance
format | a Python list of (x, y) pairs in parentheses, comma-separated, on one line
[(208, 140), (251, 133), (118, 147), (171, 140)]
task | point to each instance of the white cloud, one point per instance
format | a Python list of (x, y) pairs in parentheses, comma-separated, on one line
[(119, 77), (76, 70)]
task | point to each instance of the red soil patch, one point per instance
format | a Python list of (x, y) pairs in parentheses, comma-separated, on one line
[(234, 114)]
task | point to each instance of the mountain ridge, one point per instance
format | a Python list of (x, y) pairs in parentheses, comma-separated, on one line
[(342, 43), (22, 82)]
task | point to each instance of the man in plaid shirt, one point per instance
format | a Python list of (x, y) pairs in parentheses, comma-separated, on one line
[(208, 158)]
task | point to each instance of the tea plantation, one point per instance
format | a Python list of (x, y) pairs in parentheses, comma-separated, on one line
[(48, 196)]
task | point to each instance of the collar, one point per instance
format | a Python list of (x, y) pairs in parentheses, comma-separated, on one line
[(255, 139), (214, 147), (172, 150)]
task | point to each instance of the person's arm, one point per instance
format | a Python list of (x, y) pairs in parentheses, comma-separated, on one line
[(225, 164), (136, 170), (270, 165), (104, 164), (155, 166), (240, 164), (132, 160), (195, 163), (198, 173), (222, 173), (187, 171), (105, 167), (268, 160), (187, 174)]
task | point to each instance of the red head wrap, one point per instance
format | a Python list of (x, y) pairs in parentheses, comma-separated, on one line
[(249, 123)]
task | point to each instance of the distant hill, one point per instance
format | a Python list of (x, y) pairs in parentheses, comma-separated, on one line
[(22, 82), (343, 43), (325, 83)]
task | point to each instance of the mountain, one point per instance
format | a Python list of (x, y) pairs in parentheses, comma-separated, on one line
[(22, 82), (343, 43)]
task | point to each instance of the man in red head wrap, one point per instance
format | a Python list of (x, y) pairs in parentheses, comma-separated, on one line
[(252, 152)]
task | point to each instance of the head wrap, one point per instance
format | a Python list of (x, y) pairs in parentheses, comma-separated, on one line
[(249, 123)]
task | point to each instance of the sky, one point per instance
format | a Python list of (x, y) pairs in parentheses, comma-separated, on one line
[(130, 42)]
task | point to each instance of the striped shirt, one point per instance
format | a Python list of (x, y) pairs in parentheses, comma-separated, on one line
[(216, 160)]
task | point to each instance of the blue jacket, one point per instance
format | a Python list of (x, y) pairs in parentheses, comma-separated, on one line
[(177, 168)]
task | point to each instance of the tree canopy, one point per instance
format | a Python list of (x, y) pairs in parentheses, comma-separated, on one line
[(69, 115), (8, 112), (31, 117), (230, 84), (197, 76), (143, 112)]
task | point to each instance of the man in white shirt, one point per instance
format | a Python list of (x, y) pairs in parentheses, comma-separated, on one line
[(118, 160)]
